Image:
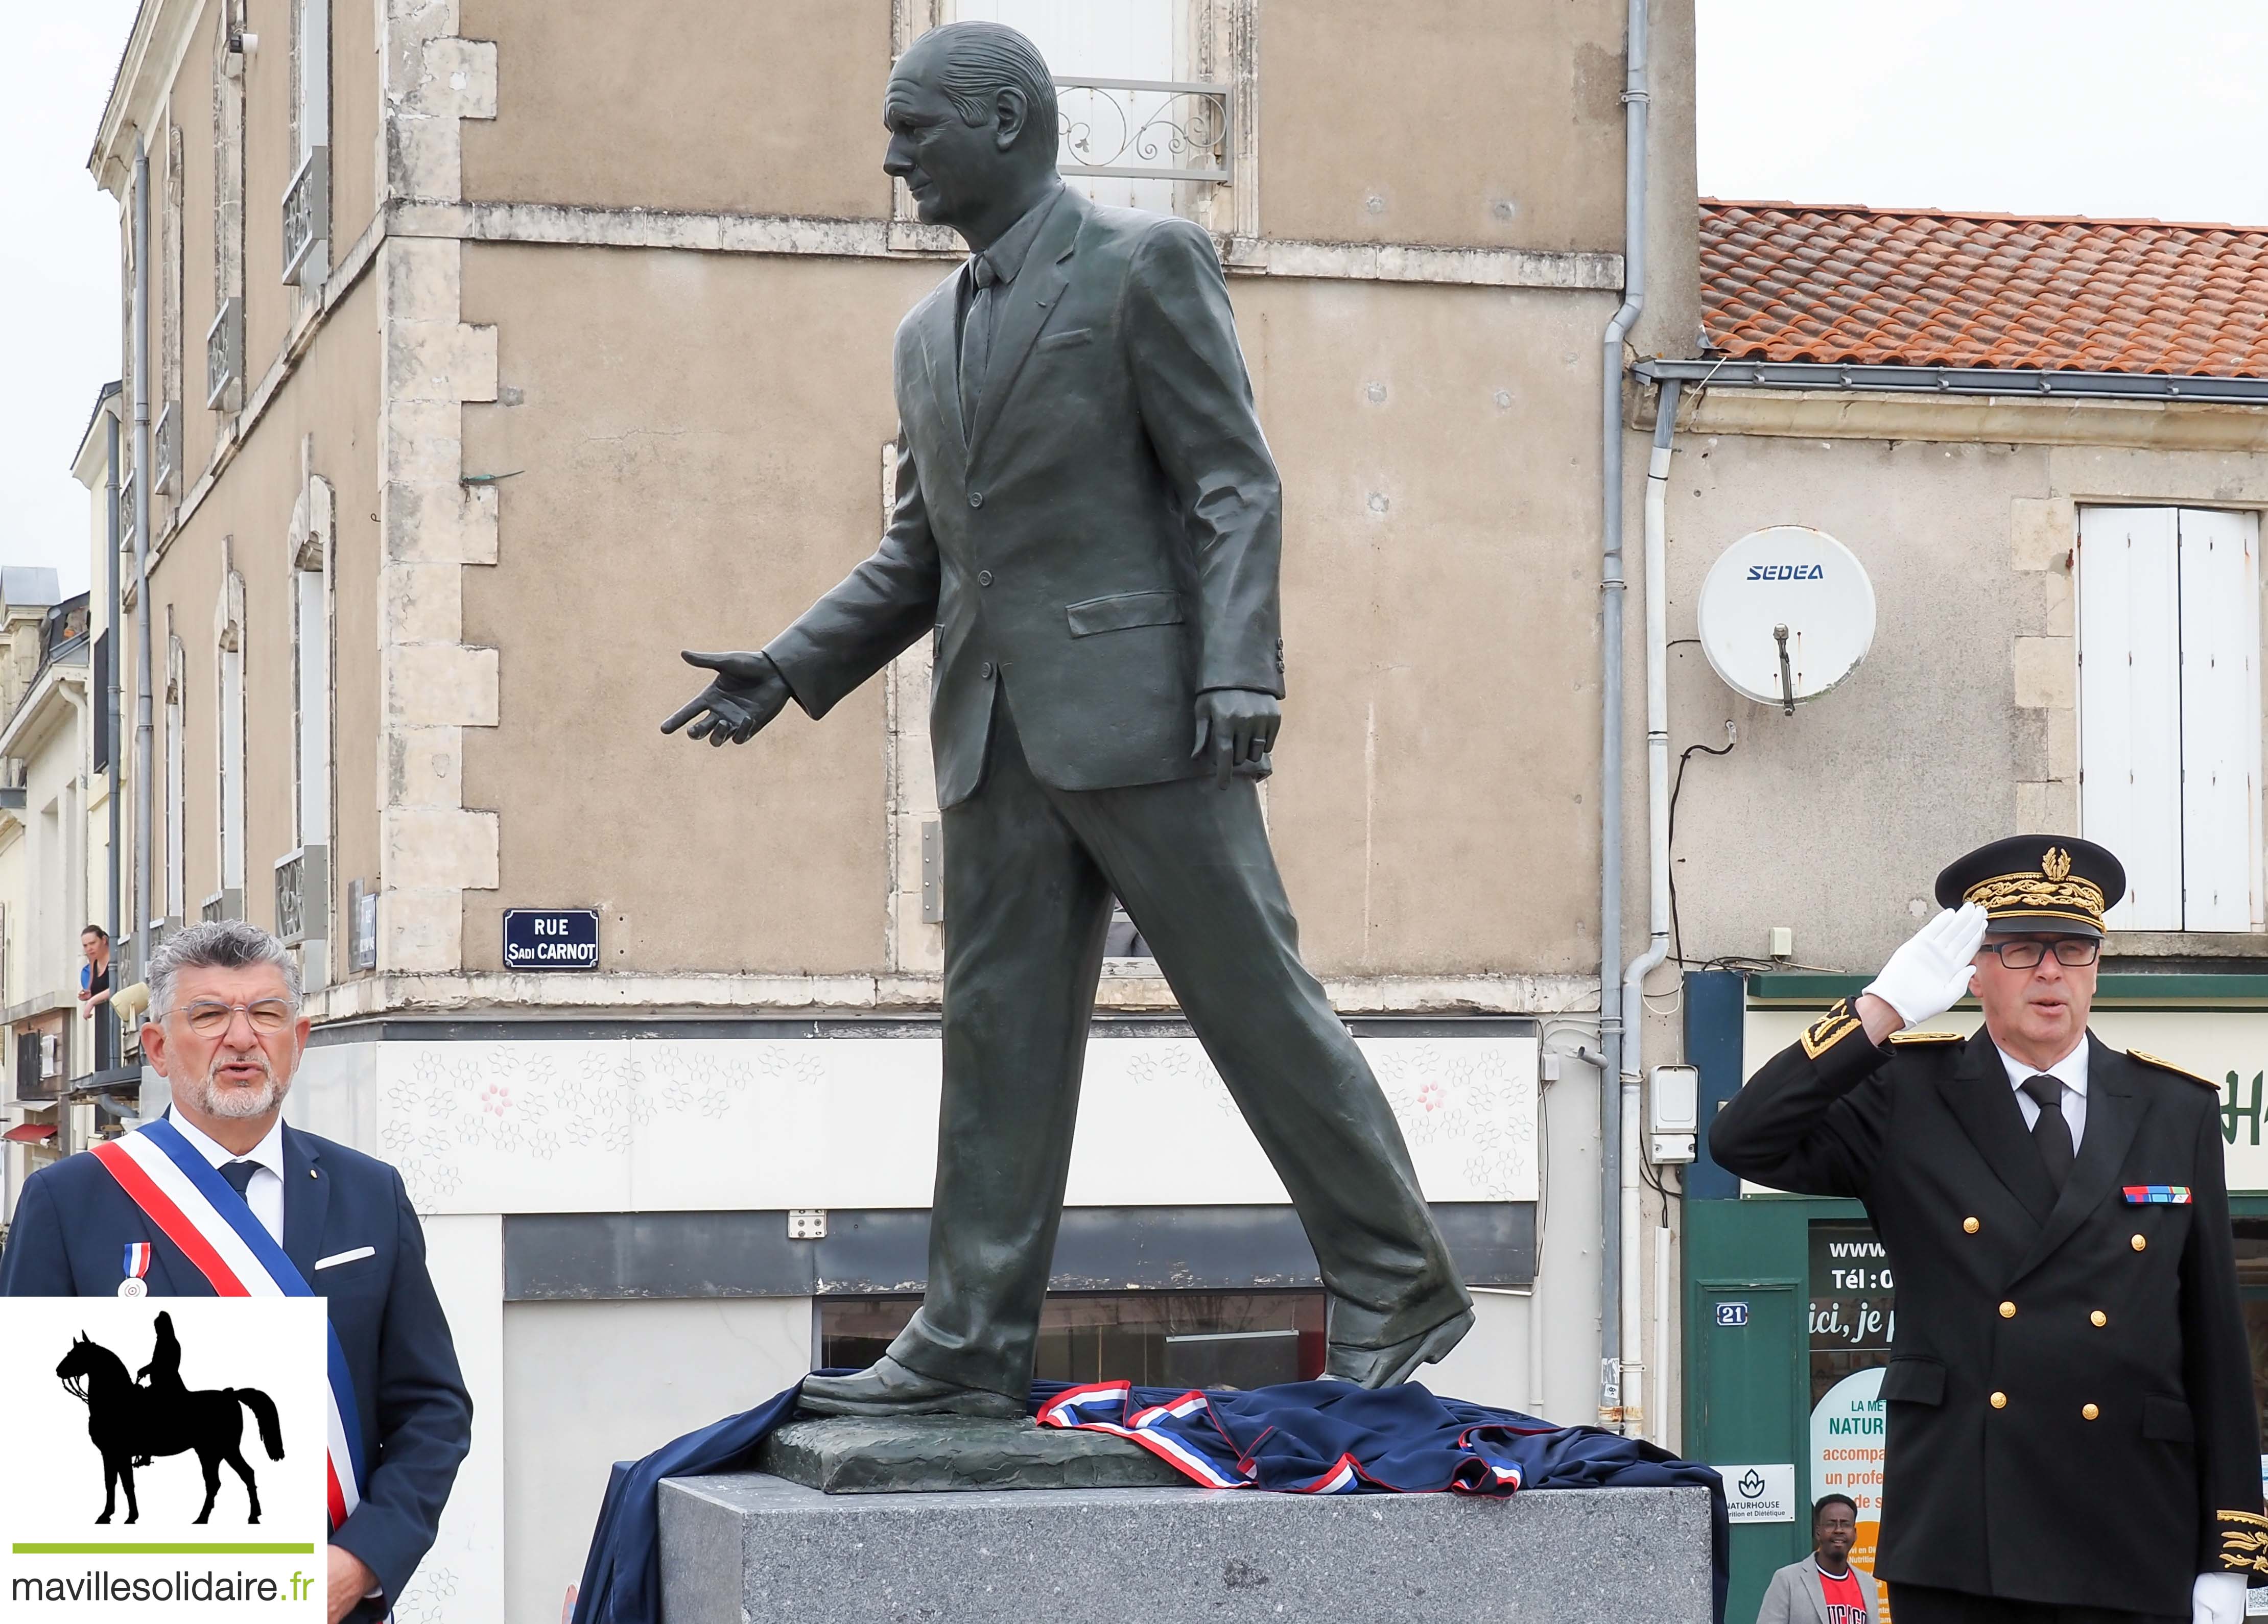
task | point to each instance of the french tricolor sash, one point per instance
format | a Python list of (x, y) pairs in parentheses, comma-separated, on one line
[(193, 1206)]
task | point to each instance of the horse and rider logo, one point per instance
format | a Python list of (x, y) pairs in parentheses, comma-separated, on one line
[(135, 1419)]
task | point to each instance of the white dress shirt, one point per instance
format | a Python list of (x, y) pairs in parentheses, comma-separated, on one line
[(2071, 1071), (265, 1193)]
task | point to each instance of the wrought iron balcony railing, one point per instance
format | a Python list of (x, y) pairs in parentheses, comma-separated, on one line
[(224, 352), (306, 210), (165, 451), (1144, 129), (303, 895)]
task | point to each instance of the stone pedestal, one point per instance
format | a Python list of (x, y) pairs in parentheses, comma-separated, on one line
[(758, 1548), (845, 1455)]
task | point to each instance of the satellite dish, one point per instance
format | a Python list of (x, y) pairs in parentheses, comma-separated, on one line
[(1786, 614)]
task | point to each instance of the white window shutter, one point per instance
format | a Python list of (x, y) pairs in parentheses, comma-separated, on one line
[(2221, 720), (2130, 707)]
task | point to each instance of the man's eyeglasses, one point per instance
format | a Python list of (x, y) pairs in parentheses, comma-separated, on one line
[(209, 1017), (2070, 951)]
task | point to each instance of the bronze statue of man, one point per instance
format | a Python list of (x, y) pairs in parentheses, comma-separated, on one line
[(1089, 524)]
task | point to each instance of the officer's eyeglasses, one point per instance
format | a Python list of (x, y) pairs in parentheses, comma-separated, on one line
[(209, 1017), (2070, 951)]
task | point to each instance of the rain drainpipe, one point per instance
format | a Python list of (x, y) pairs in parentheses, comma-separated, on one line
[(1610, 764), (107, 1045), (1657, 844), (144, 805)]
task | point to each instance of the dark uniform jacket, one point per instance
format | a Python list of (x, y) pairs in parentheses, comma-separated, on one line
[(1104, 541), (73, 1225), (2071, 1413)]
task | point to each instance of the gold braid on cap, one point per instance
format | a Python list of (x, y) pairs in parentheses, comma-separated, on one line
[(2053, 890)]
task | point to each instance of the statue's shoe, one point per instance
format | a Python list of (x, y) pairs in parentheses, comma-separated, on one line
[(888, 1388), (1384, 1367)]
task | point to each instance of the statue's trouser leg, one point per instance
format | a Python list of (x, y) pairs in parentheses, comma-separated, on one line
[(1191, 862), (1026, 910), (1028, 872)]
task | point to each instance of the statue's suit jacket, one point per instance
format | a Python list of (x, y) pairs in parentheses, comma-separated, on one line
[(1104, 539)]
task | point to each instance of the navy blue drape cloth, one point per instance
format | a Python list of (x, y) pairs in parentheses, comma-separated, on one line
[(1309, 1438)]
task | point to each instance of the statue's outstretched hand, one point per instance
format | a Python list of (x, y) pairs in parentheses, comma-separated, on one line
[(746, 693), (1238, 727)]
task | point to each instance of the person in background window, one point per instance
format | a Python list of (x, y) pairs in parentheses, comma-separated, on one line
[(1824, 1585), (94, 988)]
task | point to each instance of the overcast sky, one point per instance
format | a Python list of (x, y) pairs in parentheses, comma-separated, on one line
[(2105, 107)]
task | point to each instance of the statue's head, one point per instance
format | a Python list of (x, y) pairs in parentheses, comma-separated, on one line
[(971, 113)]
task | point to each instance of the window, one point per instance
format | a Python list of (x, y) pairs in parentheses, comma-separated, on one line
[(1125, 40), (2169, 712), (224, 339), (176, 881), (311, 690), (1143, 96), (307, 201), (229, 738)]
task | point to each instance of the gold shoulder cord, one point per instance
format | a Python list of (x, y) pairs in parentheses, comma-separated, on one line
[(2179, 1071), (1929, 1037)]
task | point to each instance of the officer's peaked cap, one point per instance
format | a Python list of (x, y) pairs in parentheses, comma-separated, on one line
[(2038, 882)]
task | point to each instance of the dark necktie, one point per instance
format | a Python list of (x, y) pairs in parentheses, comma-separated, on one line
[(976, 339), (2051, 1132), (239, 1175)]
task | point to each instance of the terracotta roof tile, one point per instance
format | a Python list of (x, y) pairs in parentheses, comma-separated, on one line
[(1917, 287)]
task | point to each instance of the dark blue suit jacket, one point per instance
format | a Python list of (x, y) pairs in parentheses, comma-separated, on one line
[(73, 1225)]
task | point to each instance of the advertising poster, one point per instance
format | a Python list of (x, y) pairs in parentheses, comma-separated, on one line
[(166, 1460), (1853, 1317)]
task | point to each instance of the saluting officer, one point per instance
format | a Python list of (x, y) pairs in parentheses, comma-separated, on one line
[(2072, 1437)]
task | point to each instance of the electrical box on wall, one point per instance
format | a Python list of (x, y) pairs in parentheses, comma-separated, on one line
[(1674, 1114)]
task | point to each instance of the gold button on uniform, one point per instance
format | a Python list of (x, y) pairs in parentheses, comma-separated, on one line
[(2000, 1400), (1968, 1225), (2098, 1318), (2089, 1411), (2007, 1311), (2139, 1244)]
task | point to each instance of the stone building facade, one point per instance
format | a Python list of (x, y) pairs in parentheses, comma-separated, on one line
[(497, 353)]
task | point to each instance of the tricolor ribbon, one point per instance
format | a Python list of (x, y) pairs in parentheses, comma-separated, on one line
[(193, 1207), (137, 1258)]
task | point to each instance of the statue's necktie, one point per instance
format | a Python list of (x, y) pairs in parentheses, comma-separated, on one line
[(2052, 1132), (239, 1175), (977, 341)]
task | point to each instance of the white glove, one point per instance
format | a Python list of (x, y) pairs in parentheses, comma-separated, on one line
[(2217, 1599), (1930, 974)]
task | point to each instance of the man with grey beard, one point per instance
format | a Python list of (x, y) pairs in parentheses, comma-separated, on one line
[(225, 1031)]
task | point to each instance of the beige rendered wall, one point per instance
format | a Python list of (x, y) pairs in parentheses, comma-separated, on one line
[(1431, 803), (269, 162), (356, 156), (705, 105), (1466, 122), (700, 439), (192, 110), (245, 518), (1960, 726), (1835, 821)]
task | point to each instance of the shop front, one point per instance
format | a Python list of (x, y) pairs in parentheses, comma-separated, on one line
[(1790, 1306)]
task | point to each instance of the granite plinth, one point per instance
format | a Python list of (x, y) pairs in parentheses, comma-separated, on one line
[(755, 1549), (852, 1455)]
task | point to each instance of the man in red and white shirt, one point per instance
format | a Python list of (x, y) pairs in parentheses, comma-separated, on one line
[(1824, 1588)]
